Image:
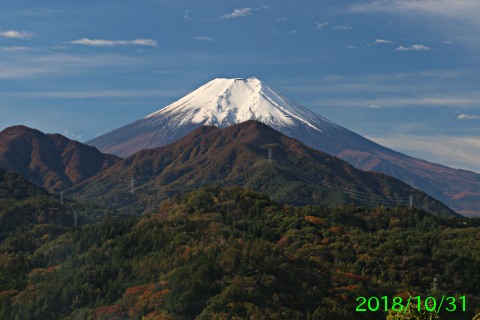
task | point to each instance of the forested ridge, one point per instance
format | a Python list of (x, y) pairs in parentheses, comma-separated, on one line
[(24, 206), (50, 160), (231, 253), (238, 156)]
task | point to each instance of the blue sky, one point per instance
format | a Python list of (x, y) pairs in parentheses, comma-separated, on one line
[(404, 73)]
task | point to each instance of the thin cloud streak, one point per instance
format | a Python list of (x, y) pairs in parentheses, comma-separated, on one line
[(461, 152), (202, 38), (380, 41), (322, 25), (441, 7), (99, 94), (98, 42), (467, 117), (400, 102), (16, 34), (20, 72), (24, 65), (238, 13), (415, 47), (342, 27), (462, 10), (13, 49)]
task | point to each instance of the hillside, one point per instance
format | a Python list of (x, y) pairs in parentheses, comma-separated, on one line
[(230, 253), (237, 156), (24, 206), (225, 102), (52, 161)]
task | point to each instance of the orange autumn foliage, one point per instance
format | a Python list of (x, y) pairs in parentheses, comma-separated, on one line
[(135, 301), (338, 230), (315, 220)]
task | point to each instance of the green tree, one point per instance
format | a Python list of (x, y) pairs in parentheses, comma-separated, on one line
[(414, 313)]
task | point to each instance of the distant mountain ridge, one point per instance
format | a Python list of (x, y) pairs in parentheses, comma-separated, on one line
[(224, 102), (238, 156), (51, 161)]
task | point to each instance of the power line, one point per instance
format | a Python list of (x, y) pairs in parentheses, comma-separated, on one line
[(336, 187), (358, 195), (326, 184)]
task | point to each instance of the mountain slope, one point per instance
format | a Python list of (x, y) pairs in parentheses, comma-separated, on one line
[(24, 206), (221, 102), (224, 102), (50, 160), (230, 253), (236, 156)]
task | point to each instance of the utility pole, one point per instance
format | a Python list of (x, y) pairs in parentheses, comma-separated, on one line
[(270, 155)]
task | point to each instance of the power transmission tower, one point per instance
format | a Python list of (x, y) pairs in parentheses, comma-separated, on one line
[(434, 284), (411, 201), (132, 186), (75, 216), (270, 155)]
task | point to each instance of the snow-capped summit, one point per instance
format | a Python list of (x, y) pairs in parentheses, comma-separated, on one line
[(224, 102), (220, 102)]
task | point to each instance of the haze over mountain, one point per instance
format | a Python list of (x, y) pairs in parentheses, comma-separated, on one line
[(224, 102), (51, 161), (238, 156), (25, 206)]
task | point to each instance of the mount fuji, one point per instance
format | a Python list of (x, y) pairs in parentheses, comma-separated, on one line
[(225, 102)]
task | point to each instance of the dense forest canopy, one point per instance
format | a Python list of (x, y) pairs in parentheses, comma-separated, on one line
[(231, 253)]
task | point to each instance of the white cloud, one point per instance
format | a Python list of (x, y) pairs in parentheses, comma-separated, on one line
[(187, 15), (447, 42), (374, 106), (58, 47), (460, 10), (454, 151), (467, 117), (97, 42), (71, 134), (321, 25), (381, 41), (14, 48), (16, 34), (19, 72), (294, 31), (243, 12), (202, 38), (342, 28), (415, 47), (400, 102), (454, 8), (25, 66)]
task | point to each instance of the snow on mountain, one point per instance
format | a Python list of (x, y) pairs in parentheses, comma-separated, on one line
[(224, 102)]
